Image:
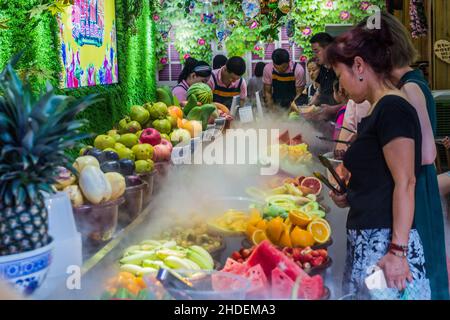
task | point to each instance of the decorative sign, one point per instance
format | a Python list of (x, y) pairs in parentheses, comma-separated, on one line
[(87, 31), (442, 50)]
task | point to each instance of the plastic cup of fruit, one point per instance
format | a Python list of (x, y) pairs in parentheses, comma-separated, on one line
[(133, 205), (209, 285), (148, 179), (98, 223)]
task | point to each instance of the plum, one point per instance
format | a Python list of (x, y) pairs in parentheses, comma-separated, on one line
[(110, 166), (126, 167)]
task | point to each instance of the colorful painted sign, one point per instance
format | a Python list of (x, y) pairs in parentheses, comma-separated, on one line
[(88, 44)]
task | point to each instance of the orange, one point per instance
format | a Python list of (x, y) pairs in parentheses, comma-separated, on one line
[(141, 283), (258, 237), (261, 225), (250, 231), (274, 229), (301, 238), (320, 230), (299, 218), (285, 239), (255, 217)]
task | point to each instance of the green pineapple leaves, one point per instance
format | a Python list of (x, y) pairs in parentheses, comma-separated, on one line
[(34, 133)]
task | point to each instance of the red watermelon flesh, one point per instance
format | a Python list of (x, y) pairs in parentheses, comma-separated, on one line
[(282, 284), (234, 267), (221, 283), (311, 288), (259, 283), (269, 257)]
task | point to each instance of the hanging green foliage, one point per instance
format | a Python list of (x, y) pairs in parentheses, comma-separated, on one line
[(306, 17)]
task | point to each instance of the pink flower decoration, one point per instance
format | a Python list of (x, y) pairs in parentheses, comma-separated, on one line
[(303, 58), (163, 60), (155, 17), (329, 4), (186, 56), (345, 15), (254, 25), (257, 48), (365, 5), (307, 31), (201, 41)]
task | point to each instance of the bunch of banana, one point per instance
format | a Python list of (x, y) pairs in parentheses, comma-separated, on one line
[(151, 255)]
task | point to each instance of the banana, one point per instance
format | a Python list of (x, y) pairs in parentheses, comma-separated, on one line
[(194, 266), (128, 251), (170, 244), (136, 270), (205, 254), (177, 263), (156, 264), (152, 243), (198, 259), (164, 253), (293, 190), (137, 258)]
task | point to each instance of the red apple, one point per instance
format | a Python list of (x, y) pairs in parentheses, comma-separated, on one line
[(150, 136)]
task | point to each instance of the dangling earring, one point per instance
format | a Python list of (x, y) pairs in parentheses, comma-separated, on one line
[(361, 79)]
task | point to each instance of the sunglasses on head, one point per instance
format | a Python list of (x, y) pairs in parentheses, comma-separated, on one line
[(203, 71)]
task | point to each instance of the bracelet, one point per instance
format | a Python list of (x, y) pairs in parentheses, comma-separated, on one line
[(400, 254), (397, 247)]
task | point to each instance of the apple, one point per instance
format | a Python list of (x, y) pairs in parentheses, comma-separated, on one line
[(162, 151), (150, 136)]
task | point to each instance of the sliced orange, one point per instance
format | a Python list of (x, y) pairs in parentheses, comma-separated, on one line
[(261, 225), (320, 230), (301, 238), (258, 237), (285, 239), (250, 231), (274, 229), (255, 217), (299, 218)]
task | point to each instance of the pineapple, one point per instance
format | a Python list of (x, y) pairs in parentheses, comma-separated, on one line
[(34, 133)]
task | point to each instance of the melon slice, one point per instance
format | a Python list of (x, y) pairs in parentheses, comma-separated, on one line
[(311, 288), (282, 284), (269, 257), (234, 267), (259, 283)]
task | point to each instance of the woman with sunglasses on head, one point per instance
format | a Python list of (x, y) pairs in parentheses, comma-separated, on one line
[(384, 161), (193, 72)]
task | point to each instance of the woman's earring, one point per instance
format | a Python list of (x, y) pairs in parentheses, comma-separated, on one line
[(361, 79)]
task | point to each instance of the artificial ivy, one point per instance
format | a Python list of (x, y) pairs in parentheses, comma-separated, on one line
[(41, 59)]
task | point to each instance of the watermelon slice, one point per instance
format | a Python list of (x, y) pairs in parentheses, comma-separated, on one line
[(282, 284), (259, 284), (284, 138), (311, 288), (269, 257), (234, 267)]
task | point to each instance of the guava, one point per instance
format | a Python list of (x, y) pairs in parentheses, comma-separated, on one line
[(129, 140), (103, 141), (144, 166), (143, 151)]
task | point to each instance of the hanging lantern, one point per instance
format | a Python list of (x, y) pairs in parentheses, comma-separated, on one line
[(251, 8), (208, 16), (222, 31), (284, 6)]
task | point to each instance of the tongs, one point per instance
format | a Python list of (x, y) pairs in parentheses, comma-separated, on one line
[(175, 284), (333, 140), (327, 164), (325, 181)]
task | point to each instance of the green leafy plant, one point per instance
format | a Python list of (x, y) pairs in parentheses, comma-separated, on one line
[(34, 133)]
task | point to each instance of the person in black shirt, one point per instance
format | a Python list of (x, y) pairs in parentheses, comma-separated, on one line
[(384, 161), (326, 78)]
